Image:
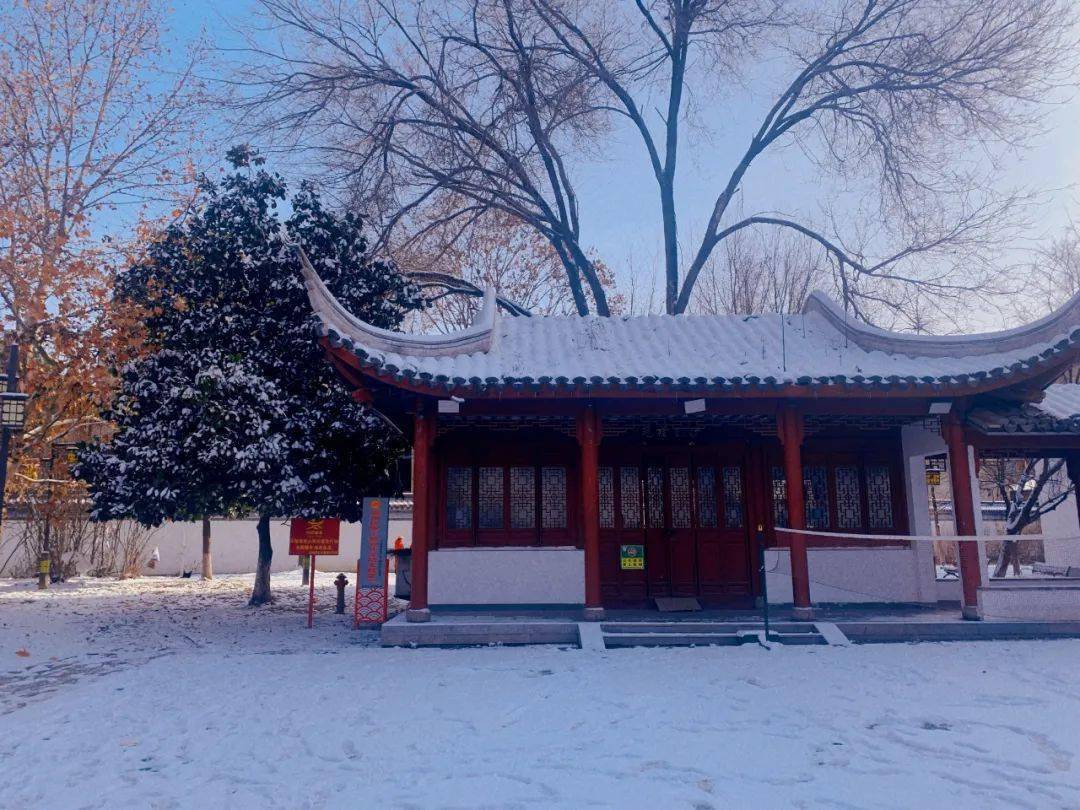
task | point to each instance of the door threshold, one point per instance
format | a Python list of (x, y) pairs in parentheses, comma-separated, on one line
[(677, 604)]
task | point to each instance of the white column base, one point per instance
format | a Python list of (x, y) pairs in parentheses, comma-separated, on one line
[(802, 614), (971, 613), (593, 614), (418, 615)]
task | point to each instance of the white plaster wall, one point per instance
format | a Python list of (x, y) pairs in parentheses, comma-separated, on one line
[(522, 575), (917, 443), (234, 545), (949, 590), (1036, 601), (851, 575), (1062, 522)]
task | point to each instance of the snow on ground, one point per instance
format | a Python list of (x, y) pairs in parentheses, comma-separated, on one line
[(172, 693)]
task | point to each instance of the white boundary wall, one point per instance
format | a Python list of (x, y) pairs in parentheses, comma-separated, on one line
[(1063, 522), (233, 543), (506, 575), (1040, 600)]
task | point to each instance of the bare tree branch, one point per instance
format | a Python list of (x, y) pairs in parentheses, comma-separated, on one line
[(498, 102)]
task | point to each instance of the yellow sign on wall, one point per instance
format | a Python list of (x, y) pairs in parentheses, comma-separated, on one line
[(632, 557)]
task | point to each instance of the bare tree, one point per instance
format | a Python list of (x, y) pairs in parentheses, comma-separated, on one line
[(498, 101), (490, 250), (1051, 279), (1030, 489), (760, 272), (1055, 276)]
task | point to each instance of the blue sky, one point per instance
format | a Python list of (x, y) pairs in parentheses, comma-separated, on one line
[(619, 201)]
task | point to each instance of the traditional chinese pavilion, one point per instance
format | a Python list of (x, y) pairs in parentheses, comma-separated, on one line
[(611, 462)]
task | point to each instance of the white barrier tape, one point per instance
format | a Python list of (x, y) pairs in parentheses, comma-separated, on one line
[(949, 538)]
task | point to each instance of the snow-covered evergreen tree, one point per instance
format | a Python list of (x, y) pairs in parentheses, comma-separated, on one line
[(233, 408)]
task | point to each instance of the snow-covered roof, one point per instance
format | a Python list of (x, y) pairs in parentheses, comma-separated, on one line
[(1061, 401), (1057, 413), (818, 347)]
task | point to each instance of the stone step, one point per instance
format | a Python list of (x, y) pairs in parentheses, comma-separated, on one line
[(731, 638), (615, 640), (790, 628)]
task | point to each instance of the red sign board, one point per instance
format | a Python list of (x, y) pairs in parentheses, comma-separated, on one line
[(315, 537)]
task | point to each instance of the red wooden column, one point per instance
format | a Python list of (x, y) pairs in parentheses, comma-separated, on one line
[(952, 430), (423, 498), (589, 434), (789, 423)]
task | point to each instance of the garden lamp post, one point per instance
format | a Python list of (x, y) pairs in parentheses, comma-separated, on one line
[(12, 417), (57, 450)]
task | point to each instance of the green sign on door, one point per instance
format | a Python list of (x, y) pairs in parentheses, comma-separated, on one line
[(632, 557)]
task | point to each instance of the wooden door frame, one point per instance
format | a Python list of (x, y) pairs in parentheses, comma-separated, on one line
[(619, 453)]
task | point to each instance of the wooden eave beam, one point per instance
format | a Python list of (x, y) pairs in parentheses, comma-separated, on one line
[(1050, 445), (1023, 385)]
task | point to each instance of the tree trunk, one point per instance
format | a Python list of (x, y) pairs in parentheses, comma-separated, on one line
[(207, 561), (260, 594), (1010, 553)]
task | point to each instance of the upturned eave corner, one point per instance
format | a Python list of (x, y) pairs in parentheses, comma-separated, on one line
[(337, 322), (1062, 326)]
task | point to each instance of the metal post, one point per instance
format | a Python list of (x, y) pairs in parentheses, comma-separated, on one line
[(762, 577), (311, 593), (5, 433), (45, 555)]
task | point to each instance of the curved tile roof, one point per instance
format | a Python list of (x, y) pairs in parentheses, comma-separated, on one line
[(1061, 401), (817, 347), (1058, 413)]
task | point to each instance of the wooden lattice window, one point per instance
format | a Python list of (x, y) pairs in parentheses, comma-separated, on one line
[(879, 496), (654, 497), (733, 497), (846, 491), (553, 497), (630, 497), (522, 498), (459, 498), (706, 497), (607, 497), (779, 497), (816, 492), (491, 497), (848, 497), (679, 482)]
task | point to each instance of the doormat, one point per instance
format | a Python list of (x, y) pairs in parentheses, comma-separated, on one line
[(677, 604)]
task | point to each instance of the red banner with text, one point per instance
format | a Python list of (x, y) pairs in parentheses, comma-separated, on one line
[(317, 537)]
